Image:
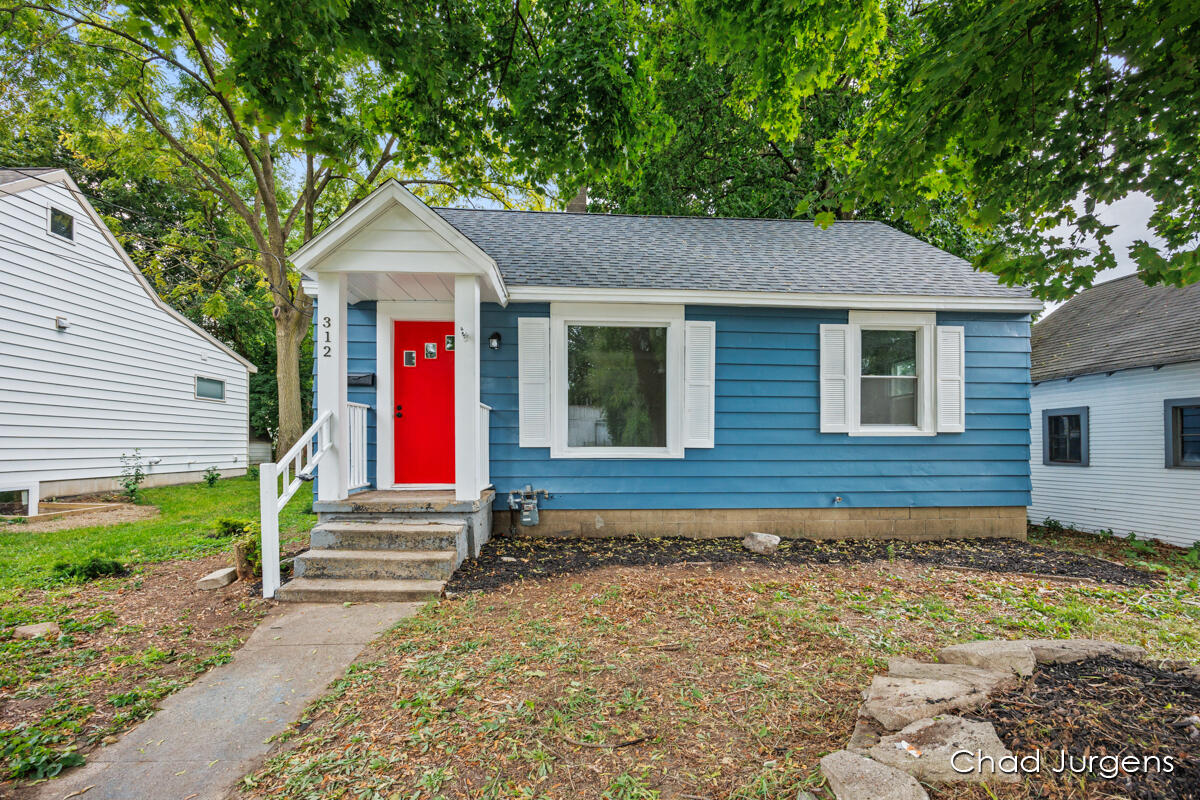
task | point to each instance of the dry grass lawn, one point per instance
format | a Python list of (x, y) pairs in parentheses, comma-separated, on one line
[(720, 681)]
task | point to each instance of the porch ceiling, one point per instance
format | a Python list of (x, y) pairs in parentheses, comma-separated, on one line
[(399, 286)]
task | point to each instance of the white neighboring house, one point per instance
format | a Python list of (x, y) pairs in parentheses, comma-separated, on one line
[(1116, 412), (94, 364)]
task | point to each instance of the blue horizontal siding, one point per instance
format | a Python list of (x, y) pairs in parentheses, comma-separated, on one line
[(769, 451), (360, 357)]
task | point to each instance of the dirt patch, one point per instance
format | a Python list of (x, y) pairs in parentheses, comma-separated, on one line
[(1107, 707), (508, 559), (115, 515), (125, 644)]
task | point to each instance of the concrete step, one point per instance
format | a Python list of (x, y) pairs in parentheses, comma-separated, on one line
[(380, 535), (376, 564), (336, 590)]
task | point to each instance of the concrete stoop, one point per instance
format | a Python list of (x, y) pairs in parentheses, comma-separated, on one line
[(387, 547)]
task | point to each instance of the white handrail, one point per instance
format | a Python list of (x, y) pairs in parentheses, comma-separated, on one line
[(295, 468), (483, 446), (356, 419)]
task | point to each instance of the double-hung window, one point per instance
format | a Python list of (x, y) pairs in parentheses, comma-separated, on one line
[(1181, 421), (611, 380), (890, 373), (1065, 436)]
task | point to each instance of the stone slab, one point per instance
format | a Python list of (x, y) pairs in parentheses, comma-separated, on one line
[(926, 750), (41, 629), (853, 777), (217, 578), (983, 679), (1066, 651), (207, 736), (994, 654), (897, 702)]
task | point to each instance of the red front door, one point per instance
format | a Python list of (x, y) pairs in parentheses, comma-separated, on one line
[(424, 402)]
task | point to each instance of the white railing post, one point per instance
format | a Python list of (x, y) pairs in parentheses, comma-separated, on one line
[(268, 502)]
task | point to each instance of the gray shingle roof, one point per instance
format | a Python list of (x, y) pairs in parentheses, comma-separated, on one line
[(1118, 325), (20, 173), (769, 255)]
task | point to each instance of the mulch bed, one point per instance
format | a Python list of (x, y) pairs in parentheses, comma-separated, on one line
[(1107, 706), (505, 559)]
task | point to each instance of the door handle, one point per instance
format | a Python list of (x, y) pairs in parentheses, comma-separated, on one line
[(398, 414)]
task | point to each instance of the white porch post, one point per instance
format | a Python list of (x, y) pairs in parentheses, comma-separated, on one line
[(466, 387), (330, 352)]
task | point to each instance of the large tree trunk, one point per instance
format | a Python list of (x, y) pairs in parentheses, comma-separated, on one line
[(291, 325)]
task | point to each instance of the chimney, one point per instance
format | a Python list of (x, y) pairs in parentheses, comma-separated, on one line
[(578, 203)]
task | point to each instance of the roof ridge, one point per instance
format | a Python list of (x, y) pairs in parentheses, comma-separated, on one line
[(654, 216)]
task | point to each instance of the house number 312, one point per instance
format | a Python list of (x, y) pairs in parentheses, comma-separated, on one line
[(327, 346)]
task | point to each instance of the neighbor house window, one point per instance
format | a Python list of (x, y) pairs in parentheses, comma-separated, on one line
[(1181, 420), (62, 224), (1065, 436), (210, 388), (616, 376)]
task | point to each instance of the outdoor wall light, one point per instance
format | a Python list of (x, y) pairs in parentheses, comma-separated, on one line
[(494, 341)]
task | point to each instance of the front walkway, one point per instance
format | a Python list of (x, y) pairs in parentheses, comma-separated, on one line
[(209, 735)]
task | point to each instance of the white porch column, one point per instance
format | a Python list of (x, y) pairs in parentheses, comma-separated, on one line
[(330, 351), (466, 387)]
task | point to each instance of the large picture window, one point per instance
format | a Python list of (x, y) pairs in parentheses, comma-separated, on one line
[(617, 376), (616, 386)]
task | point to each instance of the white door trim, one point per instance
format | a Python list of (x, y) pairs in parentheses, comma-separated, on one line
[(387, 312)]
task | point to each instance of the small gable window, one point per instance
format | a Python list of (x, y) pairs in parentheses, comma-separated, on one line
[(1181, 420), (1065, 436), (62, 224), (210, 388)]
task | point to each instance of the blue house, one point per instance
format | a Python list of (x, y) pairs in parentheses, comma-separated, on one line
[(570, 374)]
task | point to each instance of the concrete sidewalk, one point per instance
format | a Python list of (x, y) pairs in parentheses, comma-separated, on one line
[(206, 737)]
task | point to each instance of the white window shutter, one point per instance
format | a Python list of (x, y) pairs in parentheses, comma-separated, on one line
[(700, 356), (835, 378), (533, 381), (951, 379)]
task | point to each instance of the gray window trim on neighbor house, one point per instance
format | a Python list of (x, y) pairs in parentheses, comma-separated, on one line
[(1082, 412), (1169, 445)]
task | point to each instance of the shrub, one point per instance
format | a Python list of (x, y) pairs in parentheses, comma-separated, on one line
[(229, 526), (252, 472), (89, 570), (1052, 525), (133, 472), (29, 753), (211, 476)]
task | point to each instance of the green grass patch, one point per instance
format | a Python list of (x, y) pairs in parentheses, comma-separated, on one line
[(188, 517)]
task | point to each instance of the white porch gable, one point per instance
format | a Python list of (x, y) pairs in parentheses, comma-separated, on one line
[(393, 249)]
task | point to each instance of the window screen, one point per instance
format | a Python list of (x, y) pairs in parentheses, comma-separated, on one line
[(888, 389)]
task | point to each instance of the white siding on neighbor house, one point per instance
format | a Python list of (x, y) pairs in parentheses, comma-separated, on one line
[(121, 376), (1126, 486)]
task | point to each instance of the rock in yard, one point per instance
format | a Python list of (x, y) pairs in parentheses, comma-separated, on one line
[(867, 732), (852, 777), (926, 750), (896, 702), (1066, 651), (41, 629), (1193, 672), (985, 680), (218, 578), (763, 543), (992, 654)]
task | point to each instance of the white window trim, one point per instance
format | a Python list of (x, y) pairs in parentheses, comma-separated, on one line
[(49, 229), (925, 325), (224, 389), (616, 314)]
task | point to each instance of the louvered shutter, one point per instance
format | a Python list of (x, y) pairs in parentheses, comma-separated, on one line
[(700, 355), (951, 379), (835, 378), (533, 371)]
